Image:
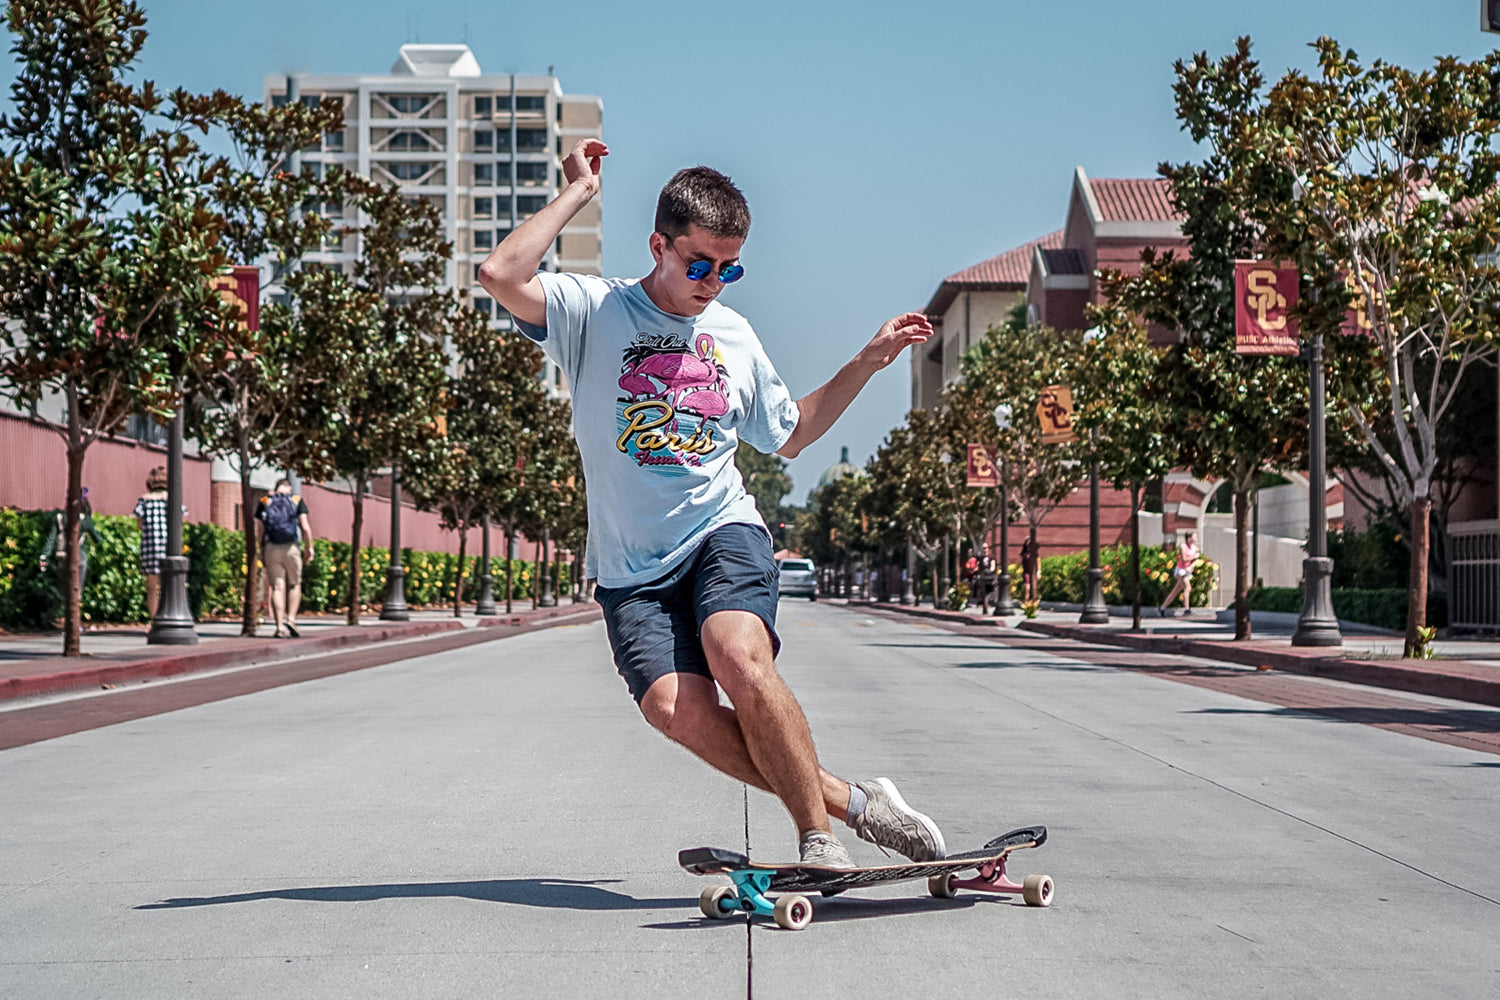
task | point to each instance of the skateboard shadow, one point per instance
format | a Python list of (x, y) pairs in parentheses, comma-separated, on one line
[(548, 893)]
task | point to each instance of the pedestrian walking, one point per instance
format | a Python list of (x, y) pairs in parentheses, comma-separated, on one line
[(1182, 573), (286, 542), (1030, 564), (56, 543), (151, 516), (666, 381)]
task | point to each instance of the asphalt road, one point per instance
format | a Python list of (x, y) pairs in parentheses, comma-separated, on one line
[(496, 820)]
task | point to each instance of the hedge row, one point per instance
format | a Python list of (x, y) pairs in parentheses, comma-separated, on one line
[(115, 590), (1062, 578), (1384, 607)]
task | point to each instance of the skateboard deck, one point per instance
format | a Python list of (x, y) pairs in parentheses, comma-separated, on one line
[(752, 880)]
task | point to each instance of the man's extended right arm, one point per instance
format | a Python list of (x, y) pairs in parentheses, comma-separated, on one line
[(509, 273)]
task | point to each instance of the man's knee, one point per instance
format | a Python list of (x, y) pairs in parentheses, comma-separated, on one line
[(674, 709)]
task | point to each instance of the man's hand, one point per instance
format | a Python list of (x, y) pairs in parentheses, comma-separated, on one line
[(582, 164), (309, 554), (893, 337)]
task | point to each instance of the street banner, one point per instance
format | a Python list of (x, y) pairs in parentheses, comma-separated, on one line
[(1055, 412), (1357, 319), (241, 287), (982, 470), (1264, 294)]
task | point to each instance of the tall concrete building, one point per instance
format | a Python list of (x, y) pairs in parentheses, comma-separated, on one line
[(485, 149)]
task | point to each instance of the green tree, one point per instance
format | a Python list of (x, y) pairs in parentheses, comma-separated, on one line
[(1119, 409), (252, 400), (1232, 415), (381, 367), (107, 235), (1380, 183)]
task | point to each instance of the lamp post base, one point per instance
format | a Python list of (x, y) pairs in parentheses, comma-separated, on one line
[(1317, 625), (485, 605), (173, 624), (1095, 611), (1004, 603), (393, 608)]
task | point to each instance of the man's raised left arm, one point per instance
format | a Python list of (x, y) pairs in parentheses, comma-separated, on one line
[(819, 409)]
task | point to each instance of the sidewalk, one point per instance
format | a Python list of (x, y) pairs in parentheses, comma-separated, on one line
[(1464, 670), (32, 664)]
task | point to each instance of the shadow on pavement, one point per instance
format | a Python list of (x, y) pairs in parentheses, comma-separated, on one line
[(550, 893), (1454, 720)]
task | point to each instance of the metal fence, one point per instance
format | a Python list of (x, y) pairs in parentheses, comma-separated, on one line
[(1474, 576)]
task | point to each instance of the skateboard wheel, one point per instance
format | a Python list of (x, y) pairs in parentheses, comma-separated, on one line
[(941, 886), (718, 902), (793, 912), (1037, 890)]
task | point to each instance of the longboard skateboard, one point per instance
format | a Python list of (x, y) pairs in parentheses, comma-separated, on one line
[(793, 911)]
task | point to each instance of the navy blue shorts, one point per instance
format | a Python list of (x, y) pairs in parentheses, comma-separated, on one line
[(654, 627)]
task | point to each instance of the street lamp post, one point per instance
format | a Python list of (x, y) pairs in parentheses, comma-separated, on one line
[(544, 576), (1004, 603), (942, 579), (173, 624), (1095, 611), (1317, 625), (393, 608), (485, 605), (909, 578)]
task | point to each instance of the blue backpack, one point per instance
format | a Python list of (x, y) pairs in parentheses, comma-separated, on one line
[(280, 517)]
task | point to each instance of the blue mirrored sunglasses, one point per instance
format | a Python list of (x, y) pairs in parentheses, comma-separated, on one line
[(700, 269)]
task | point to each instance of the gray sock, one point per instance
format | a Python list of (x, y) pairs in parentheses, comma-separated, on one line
[(857, 802)]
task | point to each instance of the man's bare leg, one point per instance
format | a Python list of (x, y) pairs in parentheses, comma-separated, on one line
[(278, 601), (686, 709)]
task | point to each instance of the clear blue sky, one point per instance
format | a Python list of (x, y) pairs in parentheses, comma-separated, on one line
[(882, 145)]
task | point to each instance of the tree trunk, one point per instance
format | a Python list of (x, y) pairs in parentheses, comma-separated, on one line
[(352, 616), (1416, 595), (72, 511), (1135, 556), (536, 577), (1241, 564), (458, 585), (251, 597)]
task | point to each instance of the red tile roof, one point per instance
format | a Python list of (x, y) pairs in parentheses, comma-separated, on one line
[(1012, 267), (1134, 199)]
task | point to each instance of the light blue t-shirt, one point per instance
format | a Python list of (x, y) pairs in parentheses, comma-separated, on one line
[(659, 404)]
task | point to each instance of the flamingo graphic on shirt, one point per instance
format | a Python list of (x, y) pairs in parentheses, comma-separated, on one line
[(675, 395)]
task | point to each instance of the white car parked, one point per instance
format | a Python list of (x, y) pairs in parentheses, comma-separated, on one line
[(799, 578)]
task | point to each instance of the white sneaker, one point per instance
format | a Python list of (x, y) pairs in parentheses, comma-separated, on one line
[(825, 851), (888, 822)]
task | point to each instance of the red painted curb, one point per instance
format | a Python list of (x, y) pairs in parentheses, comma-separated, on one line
[(242, 653), (1458, 680)]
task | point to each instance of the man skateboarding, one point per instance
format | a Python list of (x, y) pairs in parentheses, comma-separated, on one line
[(665, 383)]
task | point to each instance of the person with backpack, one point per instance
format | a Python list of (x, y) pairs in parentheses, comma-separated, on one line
[(283, 525)]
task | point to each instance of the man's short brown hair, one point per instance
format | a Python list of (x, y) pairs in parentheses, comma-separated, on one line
[(702, 197)]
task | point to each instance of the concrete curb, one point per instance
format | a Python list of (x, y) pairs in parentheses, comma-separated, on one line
[(240, 653), (916, 611), (1458, 680)]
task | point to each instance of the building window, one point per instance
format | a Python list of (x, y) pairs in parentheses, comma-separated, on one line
[(333, 142), (484, 140), (531, 140), (476, 271), (501, 234), (483, 107), (531, 174), (484, 239), (530, 204), (502, 103), (484, 174), (484, 208), (409, 104), (531, 102), (483, 305), (145, 429), (405, 141), (409, 171)]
